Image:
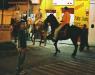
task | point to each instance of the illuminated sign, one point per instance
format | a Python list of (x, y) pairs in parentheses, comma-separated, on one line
[(63, 2), (35, 1)]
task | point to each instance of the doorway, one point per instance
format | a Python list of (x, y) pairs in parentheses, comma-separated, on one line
[(92, 24), (71, 10)]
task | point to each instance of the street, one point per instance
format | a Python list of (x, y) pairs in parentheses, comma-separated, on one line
[(24, 21), (40, 60)]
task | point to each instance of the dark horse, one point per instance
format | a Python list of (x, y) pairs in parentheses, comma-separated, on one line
[(72, 32)]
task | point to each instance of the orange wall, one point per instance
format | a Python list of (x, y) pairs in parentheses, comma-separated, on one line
[(8, 14), (35, 8), (6, 34)]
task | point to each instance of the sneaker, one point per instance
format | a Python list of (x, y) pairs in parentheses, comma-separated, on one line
[(18, 70), (22, 73)]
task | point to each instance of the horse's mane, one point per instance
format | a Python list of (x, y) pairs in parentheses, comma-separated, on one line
[(52, 20)]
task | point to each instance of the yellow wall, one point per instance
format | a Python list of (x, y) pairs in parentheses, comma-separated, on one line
[(48, 5), (80, 7)]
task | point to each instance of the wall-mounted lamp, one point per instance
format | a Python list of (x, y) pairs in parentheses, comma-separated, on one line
[(87, 11)]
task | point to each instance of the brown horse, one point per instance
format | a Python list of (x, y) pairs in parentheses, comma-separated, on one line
[(39, 33), (72, 32)]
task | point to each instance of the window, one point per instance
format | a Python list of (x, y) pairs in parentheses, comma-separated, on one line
[(63, 2), (35, 1)]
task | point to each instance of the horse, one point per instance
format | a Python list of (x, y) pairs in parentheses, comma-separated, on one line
[(72, 32), (38, 32)]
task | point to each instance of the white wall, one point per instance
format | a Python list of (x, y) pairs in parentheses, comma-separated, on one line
[(92, 21), (47, 14), (71, 19)]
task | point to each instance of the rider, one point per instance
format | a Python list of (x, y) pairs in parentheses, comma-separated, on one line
[(38, 17), (65, 21)]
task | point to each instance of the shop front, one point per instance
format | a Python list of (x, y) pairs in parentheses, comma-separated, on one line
[(5, 19), (79, 9), (5, 33)]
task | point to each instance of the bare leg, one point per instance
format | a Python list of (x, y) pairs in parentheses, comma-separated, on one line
[(57, 31), (40, 41)]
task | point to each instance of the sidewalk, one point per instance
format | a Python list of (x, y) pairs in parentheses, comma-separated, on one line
[(7, 48)]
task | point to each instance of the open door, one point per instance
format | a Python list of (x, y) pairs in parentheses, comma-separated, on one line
[(48, 12)]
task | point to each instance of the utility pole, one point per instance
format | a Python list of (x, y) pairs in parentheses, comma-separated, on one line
[(29, 7), (2, 13)]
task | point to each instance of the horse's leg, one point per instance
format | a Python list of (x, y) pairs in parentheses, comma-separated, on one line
[(56, 48), (81, 47), (40, 41), (76, 47), (15, 38), (45, 40), (34, 40)]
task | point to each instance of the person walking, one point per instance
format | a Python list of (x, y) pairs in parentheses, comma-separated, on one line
[(22, 48), (84, 38)]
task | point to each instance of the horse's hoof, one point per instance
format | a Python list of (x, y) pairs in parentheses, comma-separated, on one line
[(55, 54), (33, 44), (44, 44), (39, 44), (23, 73), (58, 51), (81, 50), (53, 40), (88, 48), (73, 56)]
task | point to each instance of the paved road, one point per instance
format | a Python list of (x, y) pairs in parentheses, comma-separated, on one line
[(40, 61)]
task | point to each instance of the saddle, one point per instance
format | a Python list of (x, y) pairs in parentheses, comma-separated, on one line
[(64, 33)]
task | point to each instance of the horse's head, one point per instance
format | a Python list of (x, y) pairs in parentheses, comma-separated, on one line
[(52, 20)]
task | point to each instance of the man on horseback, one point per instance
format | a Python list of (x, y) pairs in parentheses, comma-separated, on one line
[(65, 21)]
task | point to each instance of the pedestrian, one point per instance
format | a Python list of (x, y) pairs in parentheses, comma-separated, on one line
[(22, 48), (84, 38), (13, 23), (16, 29)]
